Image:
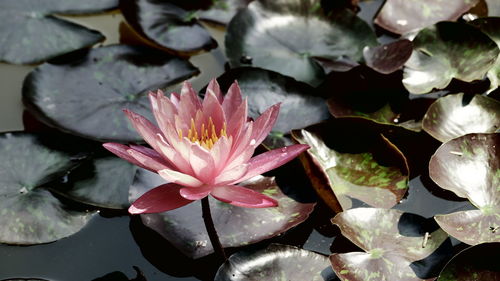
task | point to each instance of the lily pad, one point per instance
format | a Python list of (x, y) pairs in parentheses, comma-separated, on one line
[(398, 246), (84, 94), (236, 226), (490, 27), (445, 51), (469, 166), (222, 11), (476, 263), (30, 214), (457, 115), (31, 34), (264, 88), (285, 36), (167, 25), (273, 263), (360, 164), (389, 57), (402, 16)]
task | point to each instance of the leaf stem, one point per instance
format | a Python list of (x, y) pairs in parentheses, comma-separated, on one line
[(212, 232)]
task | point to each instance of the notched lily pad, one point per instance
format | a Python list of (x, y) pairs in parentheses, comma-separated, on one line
[(285, 36), (396, 244), (167, 25), (31, 34), (274, 263), (469, 166), (359, 164), (236, 226), (476, 263), (389, 57), (402, 16), (264, 88), (84, 94), (445, 51), (29, 213), (457, 115)]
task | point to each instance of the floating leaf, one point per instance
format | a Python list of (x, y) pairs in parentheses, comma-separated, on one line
[(360, 163), (31, 34), (490, 26), (469, 166), (476, 263), (285, 36), (85, 94), (402, 16), (222, 11), (273, 263), (448, 50), (457, 115), (236, 226), (264, 88), (30, 214), (389, 57), (399, 246), (167, 25)]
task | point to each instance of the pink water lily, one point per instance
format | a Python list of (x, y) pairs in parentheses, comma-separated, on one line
[(203, 147)]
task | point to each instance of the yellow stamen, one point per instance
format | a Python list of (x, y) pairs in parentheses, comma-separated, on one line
[(208, 133)]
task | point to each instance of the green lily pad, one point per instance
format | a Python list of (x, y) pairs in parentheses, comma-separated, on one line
[(31, 34), (264, 88), (457, 115), (402, 16), (445, 51), (30, 214), (476, 263), (222, 11), (285, 36), (167, 25), (236, 226), (273, 263), (469, 166), (389, 57), (84, 94), (395, 245), (358, 164)]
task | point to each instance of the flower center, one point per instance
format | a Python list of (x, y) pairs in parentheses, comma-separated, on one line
[(207, 136)]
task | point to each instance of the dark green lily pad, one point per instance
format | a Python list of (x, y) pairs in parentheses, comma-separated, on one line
[(349, 161), (445, 51), (167, 25), (274, 263), (236, 226), (457, 115), (31, 34), (222, 11), (476, 263), (29, 213), (102, 182), (389, 57), (395, 246), (84, 94), (402, 16), (285, 36), (490, 27), (469, 166), (264, 88)]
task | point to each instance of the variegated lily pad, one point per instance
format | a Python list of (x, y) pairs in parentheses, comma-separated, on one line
[(396, 246), (285, 36), (457, 115), (167, 25), (84, 94), (361, 165), (402, 16), (273, 263), (236, 226), (476, 263), (490, 26), (29, 213), (31, 34), (445, 51), (469, 166)]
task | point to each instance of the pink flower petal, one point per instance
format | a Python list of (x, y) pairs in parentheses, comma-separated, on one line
[(144, 127), (242, 197), (120, 150), (175, 98), (196, 193), (237, 120), (265, 123), (272, 159), (213, 109), (179, 178), (189, 103), (214, 87), (150, 163), (220, 153), (163, 109), (202, 163), (232, 100), (162, 198), (229, 176), (173, 157)]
